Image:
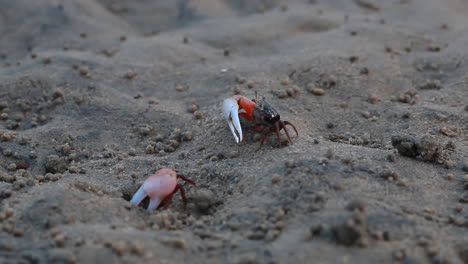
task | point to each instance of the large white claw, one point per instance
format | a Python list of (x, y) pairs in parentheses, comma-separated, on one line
[(231, 113)]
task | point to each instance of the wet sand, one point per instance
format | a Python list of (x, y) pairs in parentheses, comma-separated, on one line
[(96, 95)]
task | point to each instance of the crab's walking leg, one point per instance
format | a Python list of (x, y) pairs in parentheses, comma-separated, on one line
[(289, 124), (277, 129), (153, 204), (167, 201), (138, 196), (286, 131), (265, 135), (182, 194), (186, 179), (231, 113)]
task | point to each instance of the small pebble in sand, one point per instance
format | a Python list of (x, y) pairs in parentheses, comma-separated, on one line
[(85, 72), (119, 168), (78, 99), (431, 85), (441, 117), (19, 117), (6, 136), (175, 242), (237, 90), (192, 108), (239, 79), (289, 164), (204, 199), (373, 99), (198, 115), (187, 136), (33, 154), (22, 165), (4, 116), (357, 204), (352, 230), (353, 59), (330, 153), (364, 71), (318, 91), (369, 4), (432, 251), (11, 167), (429, 148), (399, 255), (129, 75), (449, 132), (55, 164), (281, 94), (66, 148), (7, 178), (149, 149), (389, 174), (293, 91), (366, 114), (7, 152), (132, 152), (275, 178), (450, 176), (174, 143), (145, 129), (410, 97), (433, 48)]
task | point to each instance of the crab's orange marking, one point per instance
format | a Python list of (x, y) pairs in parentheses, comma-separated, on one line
[(246, 106)]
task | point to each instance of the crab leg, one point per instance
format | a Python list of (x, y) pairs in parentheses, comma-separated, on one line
[(186, 179), (231, 113), (277, 129), (286, 131), (182, 194), (289, 124)]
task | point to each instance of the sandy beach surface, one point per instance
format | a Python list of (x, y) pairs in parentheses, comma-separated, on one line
[(96, 95)]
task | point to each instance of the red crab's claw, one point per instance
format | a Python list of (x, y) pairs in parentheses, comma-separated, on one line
[(231, 113), (234, 107)]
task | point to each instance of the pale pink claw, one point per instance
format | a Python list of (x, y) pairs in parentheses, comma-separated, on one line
[(157, 187)]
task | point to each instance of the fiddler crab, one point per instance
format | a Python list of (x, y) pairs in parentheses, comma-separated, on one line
[(265, 117), (160, 187)]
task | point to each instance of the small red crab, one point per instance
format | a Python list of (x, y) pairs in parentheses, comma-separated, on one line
[(259, 111), (160, 187)]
